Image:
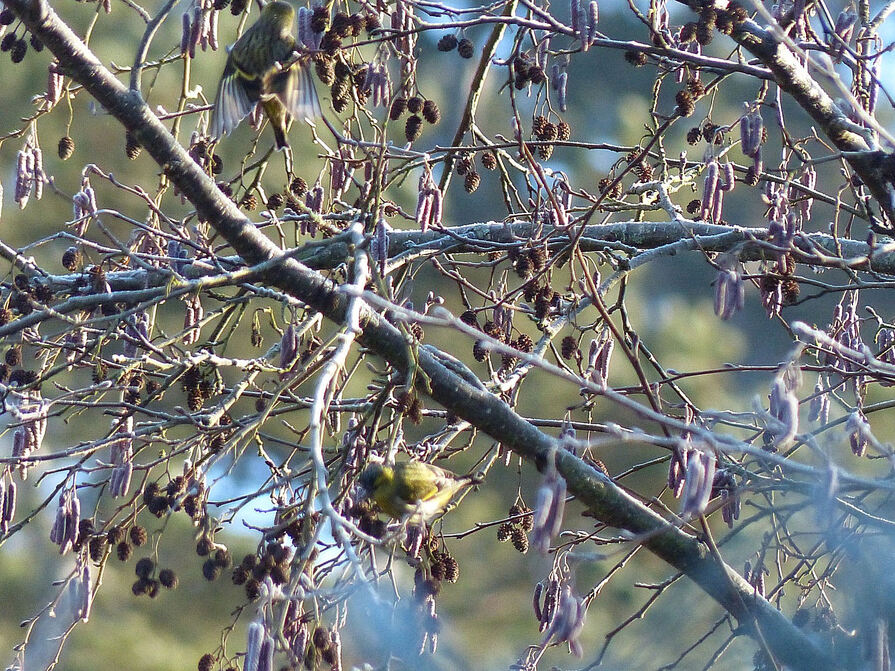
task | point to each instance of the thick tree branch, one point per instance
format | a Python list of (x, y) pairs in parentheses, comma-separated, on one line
[(749, 244)]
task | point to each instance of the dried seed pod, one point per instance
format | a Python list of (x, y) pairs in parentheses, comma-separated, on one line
[(138, 535), (447, 42), (19, 51), (431, 112), (323, 66), (132, 148), (298, 187), (414, 104), (413, 128), (636, 58), (397, 108), (569, 347), (504, 531), (66, 147), (465, 48)]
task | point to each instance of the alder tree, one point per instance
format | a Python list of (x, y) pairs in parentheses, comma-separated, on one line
[(239, 333)]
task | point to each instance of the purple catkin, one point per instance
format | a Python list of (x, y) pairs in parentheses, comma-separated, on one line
[(381, 245), (709, 188), (717, 205), (746, 133), (677, 469), (204, 28), (808, 179), (593, 17), (819, 409), (288, 346), (757, 163), (38, 172), (751, 129), (213, 31), (728, 180), (265, 655), (85, 592), (437, 205), (195, 31), (185, 33), (859, 432), (536, 601), (423, 210), (550, 599), (582, 28), (873, 86), (304, 27), (255, 639), (9, 502), (562, 91), (730, 294), (694, 480), (24, 177), (54, 84)]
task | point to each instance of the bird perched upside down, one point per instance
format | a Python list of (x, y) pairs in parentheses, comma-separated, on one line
[(263, 67), (413, 488)]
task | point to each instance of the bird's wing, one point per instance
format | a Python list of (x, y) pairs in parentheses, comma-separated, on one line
[(231, 104), (418, 482), (295, 89)]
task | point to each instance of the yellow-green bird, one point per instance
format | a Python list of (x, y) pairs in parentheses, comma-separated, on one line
[(413, 488), (260, 69)]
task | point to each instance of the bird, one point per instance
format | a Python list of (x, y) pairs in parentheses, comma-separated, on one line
[(261, 67), (413, 488)]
